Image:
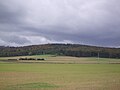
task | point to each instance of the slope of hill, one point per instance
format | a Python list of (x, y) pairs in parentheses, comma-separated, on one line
[(76, 50)]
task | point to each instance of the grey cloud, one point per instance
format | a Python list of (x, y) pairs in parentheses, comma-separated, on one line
[(8, 16), (15, 39), (9, 38), (94, 22)]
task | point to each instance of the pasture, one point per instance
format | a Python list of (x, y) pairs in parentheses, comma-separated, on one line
[(64, 60), (60, 73)]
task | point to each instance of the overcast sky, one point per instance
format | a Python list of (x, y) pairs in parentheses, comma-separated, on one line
[(91, 22)]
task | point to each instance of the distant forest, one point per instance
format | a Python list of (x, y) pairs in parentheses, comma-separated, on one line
[(75, 50)]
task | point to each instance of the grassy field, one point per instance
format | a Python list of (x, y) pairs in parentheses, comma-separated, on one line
[(68, 76), (65, 59)]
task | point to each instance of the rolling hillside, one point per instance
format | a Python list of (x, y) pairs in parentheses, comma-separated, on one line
[(76, 50)]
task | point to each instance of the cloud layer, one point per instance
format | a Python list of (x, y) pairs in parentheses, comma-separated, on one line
[(27, 22)]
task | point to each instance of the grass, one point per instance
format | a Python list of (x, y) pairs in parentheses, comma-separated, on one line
[(38, 85), (67, 76), (65, 59), (60, 76)]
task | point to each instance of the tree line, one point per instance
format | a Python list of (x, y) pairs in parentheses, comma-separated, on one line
[(76, 50)]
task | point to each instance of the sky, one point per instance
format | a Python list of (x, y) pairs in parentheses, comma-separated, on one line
[(33, 22)]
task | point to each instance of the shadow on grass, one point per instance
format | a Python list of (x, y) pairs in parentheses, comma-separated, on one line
[(34, 86)]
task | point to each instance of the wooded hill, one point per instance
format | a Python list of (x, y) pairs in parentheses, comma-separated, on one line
[(76, 50)]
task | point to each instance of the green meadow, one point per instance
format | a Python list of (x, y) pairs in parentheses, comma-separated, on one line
[(60, 73)]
